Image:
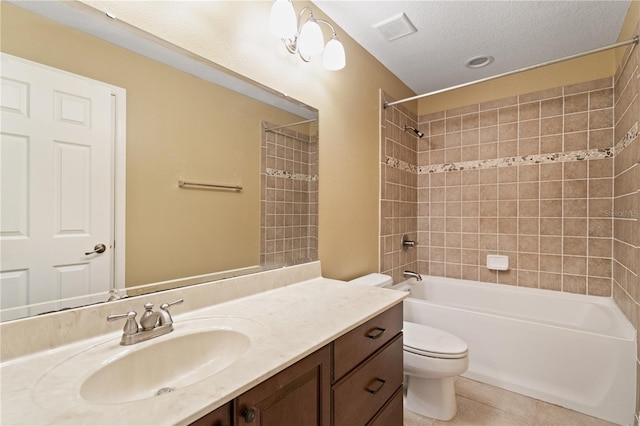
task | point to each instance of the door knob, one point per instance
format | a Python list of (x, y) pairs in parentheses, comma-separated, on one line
[(99, 248)]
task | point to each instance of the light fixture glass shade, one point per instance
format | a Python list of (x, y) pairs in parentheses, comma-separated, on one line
[(284, 23), (310, 40), (333, 57)]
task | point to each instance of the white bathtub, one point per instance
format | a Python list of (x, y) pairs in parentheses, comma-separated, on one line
[(572, 350)]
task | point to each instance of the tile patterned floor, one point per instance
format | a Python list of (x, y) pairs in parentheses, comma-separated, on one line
[(481, 404)]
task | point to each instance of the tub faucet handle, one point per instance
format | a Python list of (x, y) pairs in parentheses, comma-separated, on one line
[(407, 243)]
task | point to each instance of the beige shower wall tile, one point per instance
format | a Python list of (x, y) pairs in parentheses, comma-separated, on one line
[(541, 95), (599, 99), (576, 141), (453, 124), (552, 107), (601, 119), (599, 267), (550, 226), (488, 134), (574, 283), (576, 122), (576, 103), (528, 111), (551, 126), (575, 169), (551, 189), (599, 286), (489, 105), (551, 144), (600, 168), (588, 86), (508, 131)]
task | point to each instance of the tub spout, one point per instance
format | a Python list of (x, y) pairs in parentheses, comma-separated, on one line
[(415, 275)]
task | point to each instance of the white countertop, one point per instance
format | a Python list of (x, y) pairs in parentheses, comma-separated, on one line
[(285, 325)]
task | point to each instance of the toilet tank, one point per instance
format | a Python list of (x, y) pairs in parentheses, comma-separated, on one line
[(375, 280)]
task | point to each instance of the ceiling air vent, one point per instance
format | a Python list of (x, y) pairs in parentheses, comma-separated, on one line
[(396, 27)]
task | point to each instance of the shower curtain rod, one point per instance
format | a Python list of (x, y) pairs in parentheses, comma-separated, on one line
[(633, 41), (269, 129)]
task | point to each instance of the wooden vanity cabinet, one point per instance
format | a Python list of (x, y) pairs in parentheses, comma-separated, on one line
[(299, 395), (354, 381), (219, 417), (367, 373)]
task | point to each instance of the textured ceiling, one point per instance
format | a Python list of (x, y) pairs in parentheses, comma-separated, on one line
[(516, 33)]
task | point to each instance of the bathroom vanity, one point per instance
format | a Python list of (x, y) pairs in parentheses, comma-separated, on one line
[(298, 349), (355, 380)]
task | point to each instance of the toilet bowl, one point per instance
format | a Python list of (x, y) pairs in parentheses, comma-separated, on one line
[(432, 359)]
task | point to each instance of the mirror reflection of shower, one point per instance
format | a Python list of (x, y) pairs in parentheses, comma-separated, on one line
[(417, 132), (289, 193), (284, 126)]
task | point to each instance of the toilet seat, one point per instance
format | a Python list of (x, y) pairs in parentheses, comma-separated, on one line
[(431, 342)]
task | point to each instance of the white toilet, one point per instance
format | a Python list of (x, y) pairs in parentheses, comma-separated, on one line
[(432, 360)]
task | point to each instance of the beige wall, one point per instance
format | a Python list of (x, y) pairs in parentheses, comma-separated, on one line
[(587, 68), (236, 35), (178, 126)]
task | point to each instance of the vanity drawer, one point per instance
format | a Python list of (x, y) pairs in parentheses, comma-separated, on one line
[(391, 414), (354, 347), (361, 393)]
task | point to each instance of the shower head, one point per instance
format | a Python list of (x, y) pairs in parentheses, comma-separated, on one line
[(417, 132)]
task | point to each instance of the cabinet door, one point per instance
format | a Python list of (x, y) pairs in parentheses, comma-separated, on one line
[(297, 396)]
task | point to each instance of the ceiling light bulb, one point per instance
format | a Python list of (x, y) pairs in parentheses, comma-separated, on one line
[(334, 58), (310, 41), (283, 19)]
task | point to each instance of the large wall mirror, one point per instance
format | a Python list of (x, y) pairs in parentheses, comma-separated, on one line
[(186, 120)]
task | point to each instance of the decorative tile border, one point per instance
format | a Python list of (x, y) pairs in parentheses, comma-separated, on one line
[(402, 165), (558, 157), (291, 175), (627, 139)]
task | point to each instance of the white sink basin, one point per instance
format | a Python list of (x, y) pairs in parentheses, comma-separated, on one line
[(168, 363), (108, 373)]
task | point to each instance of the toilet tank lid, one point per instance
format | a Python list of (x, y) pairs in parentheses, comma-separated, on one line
[(375, 280)]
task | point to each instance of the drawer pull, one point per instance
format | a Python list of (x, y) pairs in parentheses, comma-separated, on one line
[(375, 333), (378, 383)]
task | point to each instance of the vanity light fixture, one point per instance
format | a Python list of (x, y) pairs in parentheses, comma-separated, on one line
[(304, 37)]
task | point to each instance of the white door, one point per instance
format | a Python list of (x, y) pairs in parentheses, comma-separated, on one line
[(56, 199)]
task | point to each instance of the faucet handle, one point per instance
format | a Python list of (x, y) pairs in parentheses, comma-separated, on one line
[(165, 316), (148, 319), (131, 326)]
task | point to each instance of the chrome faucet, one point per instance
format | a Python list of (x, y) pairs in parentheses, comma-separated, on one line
[(152, 324), (415, 275)]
